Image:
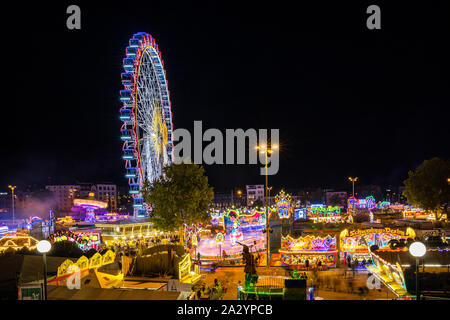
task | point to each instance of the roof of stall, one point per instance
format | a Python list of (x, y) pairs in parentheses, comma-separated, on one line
[(403, 257), (123, 222), (88, 293)]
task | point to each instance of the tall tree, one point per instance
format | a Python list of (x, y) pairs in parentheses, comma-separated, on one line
[(428, 187), (180, 196)]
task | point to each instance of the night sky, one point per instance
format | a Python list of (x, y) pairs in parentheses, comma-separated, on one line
[(348, 101)]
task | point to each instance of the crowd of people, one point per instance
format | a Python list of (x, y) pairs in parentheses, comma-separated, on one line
[(317, 263), (339, 281), (213, 292)]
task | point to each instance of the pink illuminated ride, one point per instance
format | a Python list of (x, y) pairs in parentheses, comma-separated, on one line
[(237, 227)]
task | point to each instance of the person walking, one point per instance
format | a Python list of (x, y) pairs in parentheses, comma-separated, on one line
[(335, 283), (354, 264)]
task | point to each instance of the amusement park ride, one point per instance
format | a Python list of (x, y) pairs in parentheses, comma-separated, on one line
[(146, 114)]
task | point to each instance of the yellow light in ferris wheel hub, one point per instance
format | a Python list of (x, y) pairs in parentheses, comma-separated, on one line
[(159, 132)]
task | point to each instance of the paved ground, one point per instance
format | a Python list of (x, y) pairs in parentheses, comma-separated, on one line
[(333, 285)]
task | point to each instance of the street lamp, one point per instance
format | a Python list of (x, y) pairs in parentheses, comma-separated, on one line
[(239, 193), (353, 180), (43, 247), (417, 249), (264, 149), (268, 193), (12, 195)]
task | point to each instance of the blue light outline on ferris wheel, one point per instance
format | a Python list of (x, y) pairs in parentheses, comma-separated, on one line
[(148, 43), (125, 114)]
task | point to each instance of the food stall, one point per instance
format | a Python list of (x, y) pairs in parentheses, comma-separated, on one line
[(295, 252), (318, 213), (354, 244)]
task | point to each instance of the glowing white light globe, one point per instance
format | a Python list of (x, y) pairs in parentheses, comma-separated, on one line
[(44, 246), (417, 249)]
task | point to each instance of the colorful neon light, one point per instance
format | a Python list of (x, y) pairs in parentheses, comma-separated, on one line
[(367, 203), (309, 243), (220, 239), (283, 205), (295, 252), (360, 240), (90, 203)]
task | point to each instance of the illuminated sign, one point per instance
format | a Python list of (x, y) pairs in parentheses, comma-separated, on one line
[(355, 232), (300, 213), (220, 238), (359, 240), (283, 205), (323, 212), (310, 243)]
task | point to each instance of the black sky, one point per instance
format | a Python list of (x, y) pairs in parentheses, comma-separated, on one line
[(347, 100)]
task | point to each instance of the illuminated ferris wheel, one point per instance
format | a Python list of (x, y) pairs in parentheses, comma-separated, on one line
[(146, 113)]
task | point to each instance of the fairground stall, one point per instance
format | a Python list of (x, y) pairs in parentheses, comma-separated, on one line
[(127, 232), (319, 213), (367, 203), (354, 244), (17, 241), (412, 213), (383, 205), (316, 251), (84, 266)]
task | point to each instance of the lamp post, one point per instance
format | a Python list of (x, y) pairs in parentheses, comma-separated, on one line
[(353, 180), (268, 193), (43, 247), (417, 249), (263, 149), (12, 196), (239, 193)]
